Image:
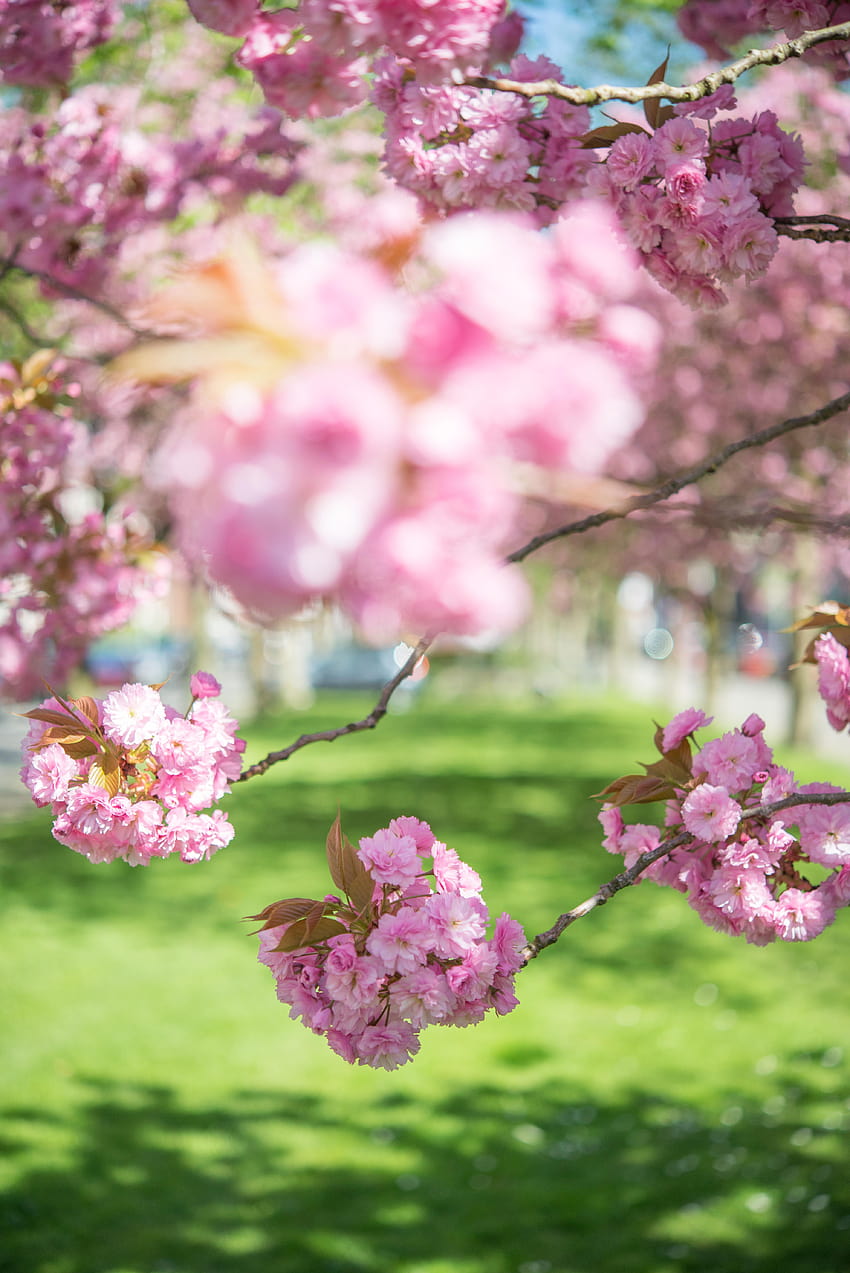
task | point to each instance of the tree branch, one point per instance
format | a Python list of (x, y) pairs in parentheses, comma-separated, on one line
[(772, 56), (675, 484), (74, 294), (608, 890), (820, 228), (328, 735)]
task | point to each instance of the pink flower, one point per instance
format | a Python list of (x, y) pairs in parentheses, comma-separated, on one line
[(824, 833), (401, 942), (800, 916), (387, 1047), (453, 875), (421, 833), (508, 942), (204, 685), (729, 761), (390, 859), (710, 814), (456, 923), (682, 726), (132, 715)]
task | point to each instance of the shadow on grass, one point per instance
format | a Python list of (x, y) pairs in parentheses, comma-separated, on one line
[(484, 1181)]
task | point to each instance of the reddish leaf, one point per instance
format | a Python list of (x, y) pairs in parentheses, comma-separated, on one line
[(333, 849), (76, 744), (652, 106), (106, 773), (608, 134), (48, 716), (87, 707), (347, 871), (636, 789), (285, 911), (828, 614), (300, 934)]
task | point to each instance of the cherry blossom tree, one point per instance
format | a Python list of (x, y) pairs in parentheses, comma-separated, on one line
[(390, 412)]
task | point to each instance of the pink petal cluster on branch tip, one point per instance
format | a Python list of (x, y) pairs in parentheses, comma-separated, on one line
[(370, 968), (129, 777), (746, 872), (354, 439)]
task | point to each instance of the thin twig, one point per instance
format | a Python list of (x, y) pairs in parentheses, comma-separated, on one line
[(328, 735), (772, 56), (74, 293), (608, 890), (675, 484), (11, 312)]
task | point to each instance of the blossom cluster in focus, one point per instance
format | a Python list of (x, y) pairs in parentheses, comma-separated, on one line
[(128, 776), (746, 872), (401, 947)]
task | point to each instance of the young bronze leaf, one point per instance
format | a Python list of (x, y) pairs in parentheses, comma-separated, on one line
[(636, 789), (300, 934), (652, 106), (361, 886), (828, 614), (285, 911), (48, 716), (334, 850), (673, 767), (87, 707), (608, 134), (106, 773), (70, 739), (325, 928), (294, 938)]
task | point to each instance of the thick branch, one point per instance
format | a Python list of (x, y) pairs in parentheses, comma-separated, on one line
[(772, 56), (675, 484), (606, 891), (836, 229), (328, 735)]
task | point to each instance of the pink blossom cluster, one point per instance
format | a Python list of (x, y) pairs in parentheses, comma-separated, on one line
[(697, 195), (78, 182), (66, 575), (719, 25), (457, 147), (312, 59), (370, 446), (833, 665), (399, 954), (746, 872), (40, 41), (128, 777)]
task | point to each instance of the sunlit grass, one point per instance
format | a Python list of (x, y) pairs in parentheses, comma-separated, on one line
[(665, 1099)]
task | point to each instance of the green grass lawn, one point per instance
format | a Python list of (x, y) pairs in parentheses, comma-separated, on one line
[(664, 1100)]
